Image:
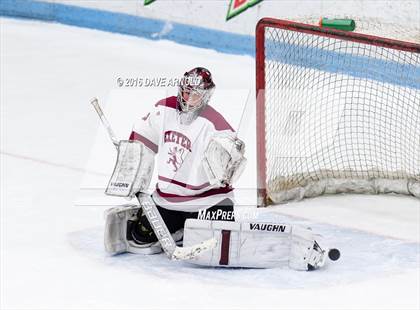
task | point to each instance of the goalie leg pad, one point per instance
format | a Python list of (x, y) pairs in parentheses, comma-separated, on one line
[(116, 239), (305, 252), (254, 245)]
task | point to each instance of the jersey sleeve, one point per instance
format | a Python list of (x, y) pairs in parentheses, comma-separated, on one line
[(147, 130)]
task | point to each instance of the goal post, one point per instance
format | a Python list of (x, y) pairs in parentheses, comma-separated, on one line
[(336, 112)]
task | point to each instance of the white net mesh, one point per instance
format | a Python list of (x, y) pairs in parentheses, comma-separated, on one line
[(340, 116)]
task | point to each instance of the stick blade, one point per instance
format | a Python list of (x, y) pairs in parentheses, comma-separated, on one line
[(186, 253)]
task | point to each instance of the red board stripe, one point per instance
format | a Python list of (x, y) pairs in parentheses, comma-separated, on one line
[(224, 254)]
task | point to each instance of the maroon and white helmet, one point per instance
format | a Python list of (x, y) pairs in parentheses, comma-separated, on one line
[(195, 89)]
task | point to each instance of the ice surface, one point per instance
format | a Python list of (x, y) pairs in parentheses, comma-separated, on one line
[(56, 159)]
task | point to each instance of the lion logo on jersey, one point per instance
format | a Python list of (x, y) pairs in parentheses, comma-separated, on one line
[(176, 157)]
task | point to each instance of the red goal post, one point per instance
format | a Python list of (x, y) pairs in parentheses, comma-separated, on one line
[(364, 89)]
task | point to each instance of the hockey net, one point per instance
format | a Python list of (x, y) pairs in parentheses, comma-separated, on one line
[(336, 112)]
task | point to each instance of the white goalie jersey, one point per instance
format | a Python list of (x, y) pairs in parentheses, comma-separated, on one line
[(183, 184)]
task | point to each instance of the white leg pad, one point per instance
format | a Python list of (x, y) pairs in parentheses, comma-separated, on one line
[(115, 234), (254, 245), (304, 250)]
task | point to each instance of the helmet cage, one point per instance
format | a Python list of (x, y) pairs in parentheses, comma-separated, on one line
[(198, 86), (196, 98)]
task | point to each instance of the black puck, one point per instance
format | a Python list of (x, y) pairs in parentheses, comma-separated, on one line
[(334, 254)]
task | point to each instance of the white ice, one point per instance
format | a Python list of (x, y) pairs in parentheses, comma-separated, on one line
[(55, 162)]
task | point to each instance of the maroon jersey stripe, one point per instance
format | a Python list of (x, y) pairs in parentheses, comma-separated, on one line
[(178, 198), (216, 118), (189, 186), (208, 113), (169, 102), (135, 136), (224, 253)]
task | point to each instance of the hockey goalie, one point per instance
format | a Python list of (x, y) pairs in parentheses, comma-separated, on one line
[(198, 158)]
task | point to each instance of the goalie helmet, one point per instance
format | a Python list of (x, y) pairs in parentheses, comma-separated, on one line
[(195, 90)]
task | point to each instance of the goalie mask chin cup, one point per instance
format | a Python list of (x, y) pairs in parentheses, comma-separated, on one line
[(194, 93)]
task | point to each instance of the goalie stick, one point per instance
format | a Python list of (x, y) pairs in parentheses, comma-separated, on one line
[(159, 227), (104, 121)]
